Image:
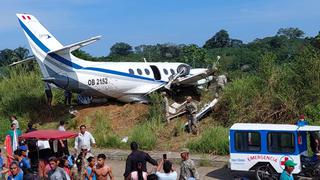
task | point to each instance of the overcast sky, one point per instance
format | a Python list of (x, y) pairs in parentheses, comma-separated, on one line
[(156, 21)]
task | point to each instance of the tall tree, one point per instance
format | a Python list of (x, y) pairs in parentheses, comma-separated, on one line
[(120, 48), (219, 40), (291, 33)]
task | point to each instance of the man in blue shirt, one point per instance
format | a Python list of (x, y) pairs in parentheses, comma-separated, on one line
[(23, 162), (287, 172)]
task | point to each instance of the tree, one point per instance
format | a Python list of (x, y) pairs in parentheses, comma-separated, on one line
[(6, 57), (236, 43), (20, 53), (219, 40), (169, 51), (193, 55), (290, 33), (121, 49), (316, 41), (83, 55)]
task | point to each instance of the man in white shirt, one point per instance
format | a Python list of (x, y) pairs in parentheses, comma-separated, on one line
[(83, 138), (169, 173)]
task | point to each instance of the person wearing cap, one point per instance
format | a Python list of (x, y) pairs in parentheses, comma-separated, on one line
[(84, 138), (23, 162), (188, 169), (165, 104), (287, 172), (191, 109), (301, 121)]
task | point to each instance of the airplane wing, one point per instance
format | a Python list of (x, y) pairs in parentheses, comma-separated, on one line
[(22, 61), (190, 79), (75, 46)]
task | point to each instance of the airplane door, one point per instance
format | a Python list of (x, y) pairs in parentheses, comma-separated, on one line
[(156, 72)]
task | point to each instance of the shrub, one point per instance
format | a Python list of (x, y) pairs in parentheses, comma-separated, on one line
[(144, 136), (103, 133), (213, 140)]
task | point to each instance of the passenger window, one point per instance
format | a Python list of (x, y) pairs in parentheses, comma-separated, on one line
[(281, 142), (139, 71), (147, 71), (165, 71), (172, 71), (247, 141), (131, 71)]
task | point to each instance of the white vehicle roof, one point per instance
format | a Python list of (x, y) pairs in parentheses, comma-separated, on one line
[(273, 127)]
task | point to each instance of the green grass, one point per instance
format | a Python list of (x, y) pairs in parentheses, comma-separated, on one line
[(102, 131), (145, 134), (213, 140)]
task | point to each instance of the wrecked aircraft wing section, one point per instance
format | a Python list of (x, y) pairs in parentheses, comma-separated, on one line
[(176, 109), (206, 108)]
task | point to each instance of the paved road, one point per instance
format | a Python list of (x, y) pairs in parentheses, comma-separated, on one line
[(207, 173)]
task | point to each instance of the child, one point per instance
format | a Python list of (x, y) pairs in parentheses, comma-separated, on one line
[(90, 175)]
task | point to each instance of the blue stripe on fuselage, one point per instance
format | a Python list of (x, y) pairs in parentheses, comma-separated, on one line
[(74, 65)]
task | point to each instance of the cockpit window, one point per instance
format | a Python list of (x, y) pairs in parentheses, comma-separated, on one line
[(131, 71)]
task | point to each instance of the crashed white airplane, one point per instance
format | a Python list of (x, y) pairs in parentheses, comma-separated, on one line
[(125, 81)]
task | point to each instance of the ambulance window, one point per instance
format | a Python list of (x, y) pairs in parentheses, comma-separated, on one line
[(147, 71), (139, 71), (247, 141), (281, 142), (131, 71), (165, 71)]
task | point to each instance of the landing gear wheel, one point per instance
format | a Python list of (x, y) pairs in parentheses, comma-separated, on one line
[(265, 172)]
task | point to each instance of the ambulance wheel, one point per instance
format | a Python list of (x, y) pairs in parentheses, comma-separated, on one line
[(266, 172)]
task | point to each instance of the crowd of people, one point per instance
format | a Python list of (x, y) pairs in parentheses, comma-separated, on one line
[(50, 159)]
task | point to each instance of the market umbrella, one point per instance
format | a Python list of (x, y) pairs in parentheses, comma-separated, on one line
[(49, 134)]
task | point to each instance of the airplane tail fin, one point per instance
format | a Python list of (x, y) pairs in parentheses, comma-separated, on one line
[(38, 36)]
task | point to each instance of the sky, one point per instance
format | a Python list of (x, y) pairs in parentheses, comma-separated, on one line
[(139, 22)]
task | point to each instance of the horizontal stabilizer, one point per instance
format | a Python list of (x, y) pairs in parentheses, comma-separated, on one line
[(24, 60), (75, 46)]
